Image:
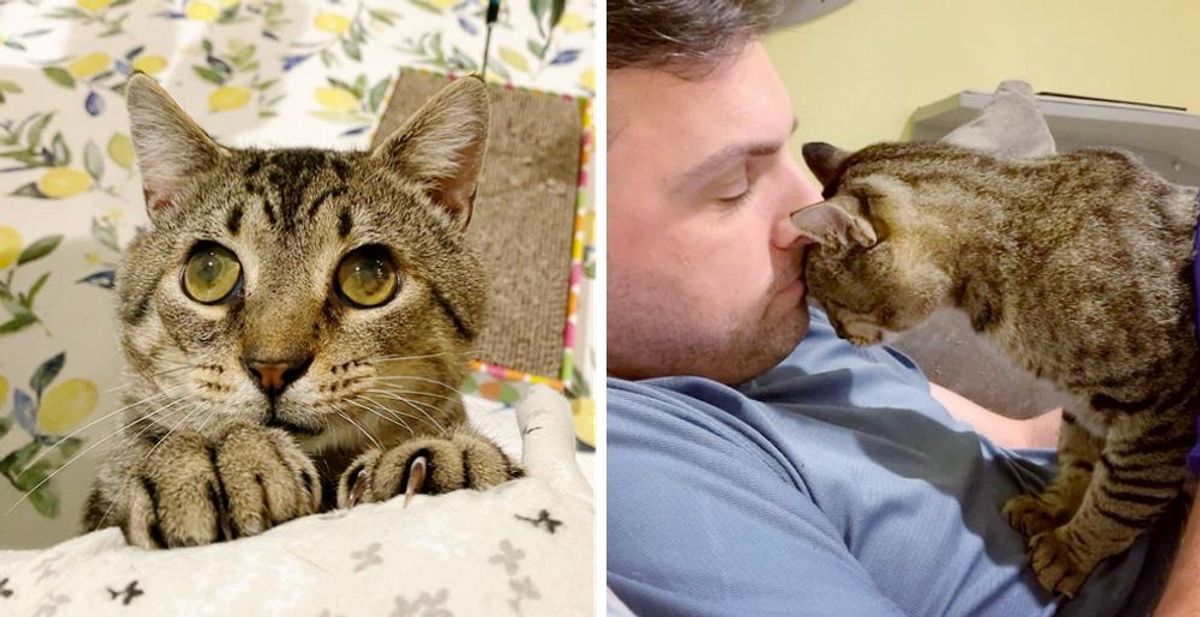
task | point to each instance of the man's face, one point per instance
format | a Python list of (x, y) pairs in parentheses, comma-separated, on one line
[(705, 269)]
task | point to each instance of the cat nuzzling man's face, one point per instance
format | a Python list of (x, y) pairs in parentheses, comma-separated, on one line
[(307, 289), (879, 266)]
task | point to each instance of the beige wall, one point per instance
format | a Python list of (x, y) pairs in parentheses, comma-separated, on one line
[(856, 75)]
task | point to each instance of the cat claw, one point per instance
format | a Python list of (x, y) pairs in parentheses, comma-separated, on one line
[(416, 478), (361, 482)]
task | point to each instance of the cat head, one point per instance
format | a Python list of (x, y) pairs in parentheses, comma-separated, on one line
[(874, 265), (329, 293)]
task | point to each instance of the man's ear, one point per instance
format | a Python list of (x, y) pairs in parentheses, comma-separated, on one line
[(441, 146), (831, 224), (171, 149), (824, 160)]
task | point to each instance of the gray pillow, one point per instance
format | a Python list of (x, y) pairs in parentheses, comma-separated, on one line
[(1011, 126)]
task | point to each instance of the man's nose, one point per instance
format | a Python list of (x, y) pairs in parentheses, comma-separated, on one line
[(273, 376), (785, 235)]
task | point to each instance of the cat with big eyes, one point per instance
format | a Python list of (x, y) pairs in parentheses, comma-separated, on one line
[(296, 325), (1078, 265)]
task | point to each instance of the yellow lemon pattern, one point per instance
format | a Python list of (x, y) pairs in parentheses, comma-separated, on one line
[(583, 411), (228, 98), (513, 58), (89, 64), (573, 22), (10, 249), (94, 6), (120, 150), (332, 23), (202, 11), (3, 390), (336, 99), (150, 64), (65, 405), (61, 182), (588, 80)]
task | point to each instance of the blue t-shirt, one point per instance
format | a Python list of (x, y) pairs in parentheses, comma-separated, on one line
[(834, 484)]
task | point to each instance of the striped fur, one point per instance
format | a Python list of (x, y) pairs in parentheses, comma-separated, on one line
[(1078, 265), (376, 380)]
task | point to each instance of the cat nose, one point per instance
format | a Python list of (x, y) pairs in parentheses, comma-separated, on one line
[(274, 376)]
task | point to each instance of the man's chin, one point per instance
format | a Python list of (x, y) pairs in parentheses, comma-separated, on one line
[(773, 341)]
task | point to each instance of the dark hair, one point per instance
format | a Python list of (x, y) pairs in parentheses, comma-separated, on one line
[(682, 36)]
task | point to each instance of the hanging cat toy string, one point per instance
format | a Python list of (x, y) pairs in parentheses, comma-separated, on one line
[(493, 13)]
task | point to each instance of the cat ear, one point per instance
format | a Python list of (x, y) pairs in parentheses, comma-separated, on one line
[(824, 160), (171, 149), (441, 146), (829, 224)]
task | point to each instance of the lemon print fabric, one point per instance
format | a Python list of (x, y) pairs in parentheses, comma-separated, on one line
[(120, 150), (62, 182), (573, 22), (513, 58), (583, 412), (336, 99), (149, 64), (332, 23), (65, 406), (228, 98), (89, 65), (202, 11), (94, 6), (10, 249)]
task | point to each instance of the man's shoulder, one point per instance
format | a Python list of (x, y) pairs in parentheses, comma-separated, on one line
[(679, 398)]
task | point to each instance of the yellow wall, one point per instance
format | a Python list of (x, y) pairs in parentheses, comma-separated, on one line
[(856, 74)]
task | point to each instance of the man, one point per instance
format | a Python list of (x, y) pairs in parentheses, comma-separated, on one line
[(758, 465)]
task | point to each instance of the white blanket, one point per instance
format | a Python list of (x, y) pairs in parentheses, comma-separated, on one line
[(524, 548)]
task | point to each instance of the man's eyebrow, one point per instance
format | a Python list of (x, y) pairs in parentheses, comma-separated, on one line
[(723, 157)]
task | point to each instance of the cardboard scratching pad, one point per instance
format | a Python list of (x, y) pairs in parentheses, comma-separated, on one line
[(524, 217)]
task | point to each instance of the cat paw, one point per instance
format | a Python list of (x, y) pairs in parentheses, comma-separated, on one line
[(1032, 516), (190, 490), (1058, 568), (428, 465)]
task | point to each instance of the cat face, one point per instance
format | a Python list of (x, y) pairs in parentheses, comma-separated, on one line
[(332, 294), (873, 267)]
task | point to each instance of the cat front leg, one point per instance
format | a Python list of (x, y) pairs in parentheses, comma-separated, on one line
[(1140, 472), (189, 489), (1078, 451), (431, 465)]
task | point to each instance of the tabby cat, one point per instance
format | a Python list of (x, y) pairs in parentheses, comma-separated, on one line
[(1078, 265), (296, 323)]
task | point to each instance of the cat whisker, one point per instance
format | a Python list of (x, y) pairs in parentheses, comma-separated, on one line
[(417, 378), (413, 404), (172, 370), (395, 419), (397, 358), (392, 388), (196, 405), (207, 419), (116, 388), (83, 428), (347, 418), (75, 458)]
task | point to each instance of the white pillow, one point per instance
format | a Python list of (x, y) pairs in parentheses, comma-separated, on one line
[(522, 548)]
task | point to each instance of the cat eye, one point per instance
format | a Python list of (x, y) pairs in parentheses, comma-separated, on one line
[(212, 273), (367, 277)]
